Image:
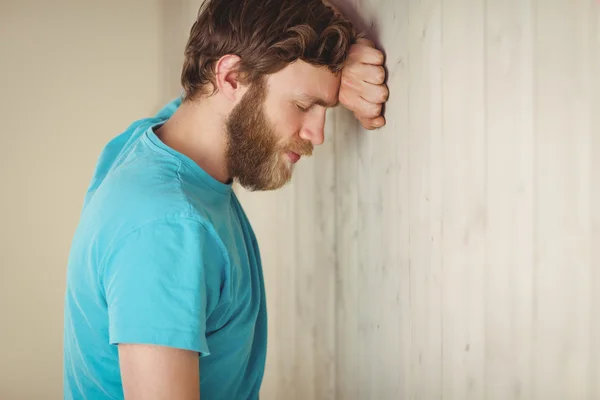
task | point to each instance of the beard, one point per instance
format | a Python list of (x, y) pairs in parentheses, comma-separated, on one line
[(256, 158)]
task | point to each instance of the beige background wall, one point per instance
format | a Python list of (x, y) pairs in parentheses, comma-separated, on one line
[(73, 74), (452, 254)]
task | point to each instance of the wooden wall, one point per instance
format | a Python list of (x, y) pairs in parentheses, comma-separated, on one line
[(455, 253)]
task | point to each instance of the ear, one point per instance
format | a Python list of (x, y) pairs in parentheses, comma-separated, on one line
[(227, 77)]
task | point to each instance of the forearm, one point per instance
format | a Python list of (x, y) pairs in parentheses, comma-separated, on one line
[(362, 89)]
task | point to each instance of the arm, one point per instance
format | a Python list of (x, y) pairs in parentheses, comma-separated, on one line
[(161, 281), (362, 90), (155, 373)]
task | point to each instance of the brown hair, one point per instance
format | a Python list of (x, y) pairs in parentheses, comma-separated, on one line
[(266, 35)]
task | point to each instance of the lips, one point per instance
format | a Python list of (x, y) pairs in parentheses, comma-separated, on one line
[(294, 157)]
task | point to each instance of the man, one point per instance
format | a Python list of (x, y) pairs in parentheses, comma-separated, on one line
[(165, 295)]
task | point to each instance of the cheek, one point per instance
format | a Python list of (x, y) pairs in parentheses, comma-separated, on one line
[(283, 116), (287, 123)]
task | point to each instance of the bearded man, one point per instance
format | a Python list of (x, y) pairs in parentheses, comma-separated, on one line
[(165, 296)]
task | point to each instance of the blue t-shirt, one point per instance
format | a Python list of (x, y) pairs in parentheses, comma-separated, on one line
[(163, 255)]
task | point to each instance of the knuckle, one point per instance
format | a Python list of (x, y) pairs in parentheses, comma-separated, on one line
[(374, 110), (346, 81), (384, 95), (380, 75)]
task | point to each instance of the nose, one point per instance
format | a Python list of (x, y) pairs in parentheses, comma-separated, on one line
[(314, 130)]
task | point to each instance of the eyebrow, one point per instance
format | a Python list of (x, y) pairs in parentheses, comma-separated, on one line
[(319, 101)]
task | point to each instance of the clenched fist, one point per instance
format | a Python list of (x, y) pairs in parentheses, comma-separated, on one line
[(363, 90)]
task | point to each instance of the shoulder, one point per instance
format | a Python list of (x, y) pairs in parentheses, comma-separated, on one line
[(146, 189), (178, 250), (143, 217), (180, 234)]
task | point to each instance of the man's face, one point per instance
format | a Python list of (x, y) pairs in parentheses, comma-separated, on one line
[(278, 121)]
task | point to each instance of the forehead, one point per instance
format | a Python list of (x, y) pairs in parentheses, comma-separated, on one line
[(306, 81)]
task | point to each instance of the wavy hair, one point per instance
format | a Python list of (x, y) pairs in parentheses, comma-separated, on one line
[(267, 35)]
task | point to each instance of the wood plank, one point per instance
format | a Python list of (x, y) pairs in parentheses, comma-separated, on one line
[(396, 368), (305, 312), (425, 198), (381, 368), (465, 211), (370, 268), (324, 269), (509, 127), (387, 202), (347, 236), (314, 226), (380, 371), (348, 284), (562, 303)]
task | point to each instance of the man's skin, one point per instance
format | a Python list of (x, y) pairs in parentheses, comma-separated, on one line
[(155, 372)]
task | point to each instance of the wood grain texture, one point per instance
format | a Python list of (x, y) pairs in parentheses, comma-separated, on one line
[(464, 191), (382, 341), (347, 237), (314, 318), (455, 253), (424, 163), (561, 340), (509, 164)]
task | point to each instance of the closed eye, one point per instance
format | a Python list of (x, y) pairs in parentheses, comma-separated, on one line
[(303, 109)]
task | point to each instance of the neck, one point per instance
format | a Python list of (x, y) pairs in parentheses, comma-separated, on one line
[(197, 131)]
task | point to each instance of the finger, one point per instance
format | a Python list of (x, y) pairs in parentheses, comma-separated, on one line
[(368, 91), (367, 73), (366, 55), (361, 107), (379, 121), (373, 93), (372, 123)]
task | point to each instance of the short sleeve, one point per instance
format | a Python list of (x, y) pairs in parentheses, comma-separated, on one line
[(159, 281)]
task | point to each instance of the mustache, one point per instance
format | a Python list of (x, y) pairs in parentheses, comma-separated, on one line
[(301, 147)]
